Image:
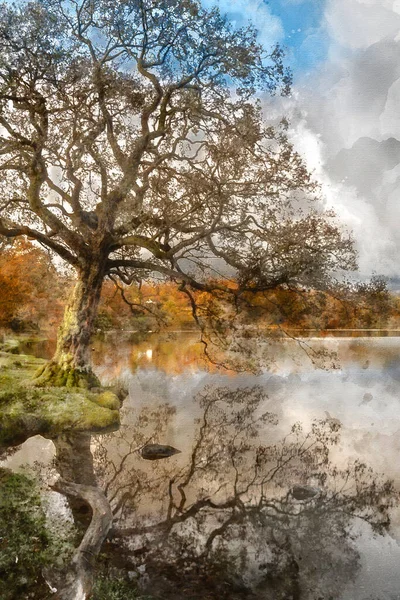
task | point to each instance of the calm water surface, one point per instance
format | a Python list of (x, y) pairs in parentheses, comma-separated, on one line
[(170, 388)]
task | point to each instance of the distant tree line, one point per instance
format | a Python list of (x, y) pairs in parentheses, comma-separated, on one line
[(33, 293)]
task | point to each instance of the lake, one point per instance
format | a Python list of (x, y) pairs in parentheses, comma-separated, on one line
[(232, 430)]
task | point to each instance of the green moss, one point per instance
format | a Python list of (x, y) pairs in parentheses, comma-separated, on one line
[(27, 410), (11, 345), (51, 374), (115, 588), (24, 539), (28, 543), (108, 399)]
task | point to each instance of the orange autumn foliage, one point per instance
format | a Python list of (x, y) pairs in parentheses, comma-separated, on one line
[(151, 303), (31, 290)]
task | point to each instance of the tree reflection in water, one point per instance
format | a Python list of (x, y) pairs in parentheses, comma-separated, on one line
[(224, 519)]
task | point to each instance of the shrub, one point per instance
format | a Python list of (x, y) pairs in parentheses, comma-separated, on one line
[(24, 540)]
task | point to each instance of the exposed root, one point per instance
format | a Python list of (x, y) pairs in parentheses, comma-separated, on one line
[(54, 375), (75, 581)]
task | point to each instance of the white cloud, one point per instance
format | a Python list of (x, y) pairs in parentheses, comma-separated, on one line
[(375, 243), (389, 118), (355, 98), (355, 94), (357, 24)]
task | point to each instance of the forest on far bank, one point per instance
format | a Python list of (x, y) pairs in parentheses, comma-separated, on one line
[(33, 293)]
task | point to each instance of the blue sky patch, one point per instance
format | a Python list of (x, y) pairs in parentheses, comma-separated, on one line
[(296, 24)]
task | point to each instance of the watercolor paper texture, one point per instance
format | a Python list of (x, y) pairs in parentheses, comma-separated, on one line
[(199, 300)]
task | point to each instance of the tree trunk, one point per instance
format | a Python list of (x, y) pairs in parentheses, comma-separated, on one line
[(74, 463), (75, 581), (91, 511), (70, 365)]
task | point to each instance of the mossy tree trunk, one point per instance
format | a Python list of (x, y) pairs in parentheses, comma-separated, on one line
[(71, 364)]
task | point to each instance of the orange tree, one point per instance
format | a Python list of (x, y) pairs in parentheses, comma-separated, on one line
[(30, 287)]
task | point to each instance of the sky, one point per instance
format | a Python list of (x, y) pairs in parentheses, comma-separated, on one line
[(344, 108)]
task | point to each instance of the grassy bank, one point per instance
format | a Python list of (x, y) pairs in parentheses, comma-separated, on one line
[(26, 410)]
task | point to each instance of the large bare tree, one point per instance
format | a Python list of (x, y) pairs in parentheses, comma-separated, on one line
[(132, 145)]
